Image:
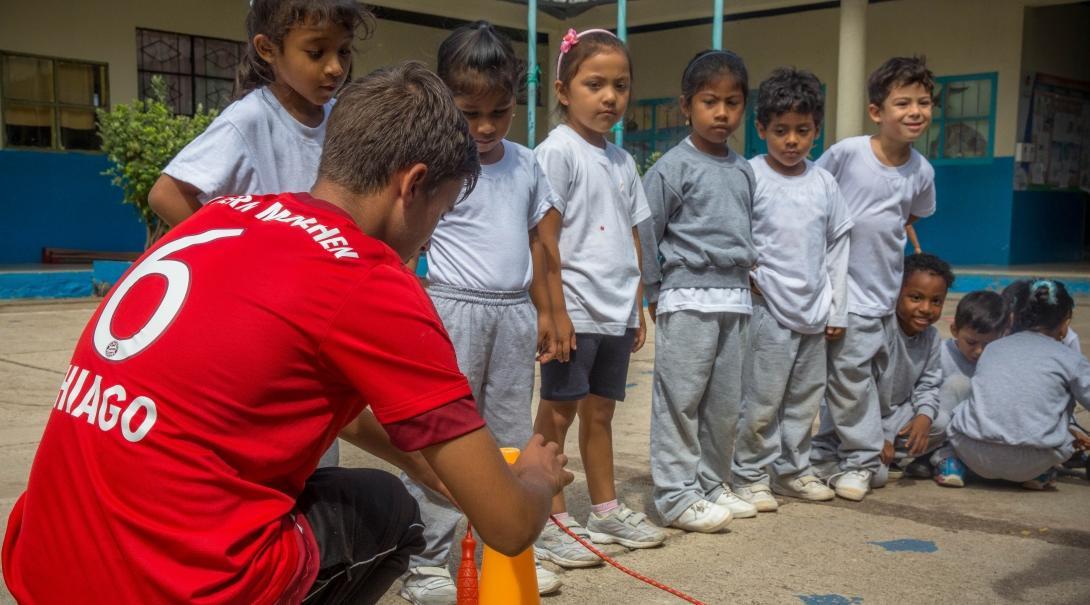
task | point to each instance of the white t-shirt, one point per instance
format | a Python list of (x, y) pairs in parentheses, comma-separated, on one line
[(602, 199), (796, 219), (880, 199), (255, 146), (1071, 340), (483, 243)]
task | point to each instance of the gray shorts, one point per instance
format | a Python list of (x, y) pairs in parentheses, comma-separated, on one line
[(598, 366)]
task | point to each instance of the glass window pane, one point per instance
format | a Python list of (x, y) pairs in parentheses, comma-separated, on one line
[(966, 139), (28, 125), (164, 52), (28, 78), (214, 94), (936, 107), (984, 98), (78, 129), (216, 58), (179, 91), (968, 99), (76, 83)]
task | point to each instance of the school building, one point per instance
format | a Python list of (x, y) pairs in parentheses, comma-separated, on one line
[(1010, 139)]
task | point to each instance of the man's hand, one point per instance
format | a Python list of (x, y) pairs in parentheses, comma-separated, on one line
[(917, 431), (546, 338), (886, 456), (832, 333), (652, 311), (541, 461), (641, 333), (565, 336)]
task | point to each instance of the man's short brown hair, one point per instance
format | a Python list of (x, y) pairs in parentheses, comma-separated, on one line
[(391, 119)]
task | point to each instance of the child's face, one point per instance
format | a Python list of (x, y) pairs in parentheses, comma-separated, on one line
[(489, 116), (598, 95), (971, 343), (789, 136), (920, 302), (715, 112), (313, 60), (904, 115)]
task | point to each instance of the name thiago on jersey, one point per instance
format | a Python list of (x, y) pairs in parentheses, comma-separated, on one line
[(101, 407)]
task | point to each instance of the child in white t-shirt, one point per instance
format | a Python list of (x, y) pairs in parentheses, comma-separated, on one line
[(886, 184), (480, 270), (597, 310), (270, 139), (801, 229)]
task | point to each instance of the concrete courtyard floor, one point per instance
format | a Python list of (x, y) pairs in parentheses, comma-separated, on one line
[(987, 543)]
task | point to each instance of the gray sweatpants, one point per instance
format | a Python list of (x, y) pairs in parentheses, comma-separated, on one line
[(850, 433), (1008, 462), (495, 337), (783, 382), (893, 423), (695, 404)]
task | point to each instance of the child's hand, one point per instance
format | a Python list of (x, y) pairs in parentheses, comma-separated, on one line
[(641, 334), (565, 337), (917, 431), (832, 333), (753, 287), (886, 456), (1082, 442), (652, 310), (546, 338)]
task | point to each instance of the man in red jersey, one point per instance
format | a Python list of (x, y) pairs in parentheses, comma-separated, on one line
[(177, 465)]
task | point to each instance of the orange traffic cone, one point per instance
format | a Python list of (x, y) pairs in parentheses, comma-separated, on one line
[(508, 580)]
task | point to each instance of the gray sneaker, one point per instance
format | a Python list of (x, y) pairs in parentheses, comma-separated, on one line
[(560, 548), (624, 526), (428, 586)]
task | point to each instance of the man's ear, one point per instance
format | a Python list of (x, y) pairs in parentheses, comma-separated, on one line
[(411, 184), (265, 48)]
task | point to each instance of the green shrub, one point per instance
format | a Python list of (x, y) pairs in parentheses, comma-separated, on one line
[(140, 138)]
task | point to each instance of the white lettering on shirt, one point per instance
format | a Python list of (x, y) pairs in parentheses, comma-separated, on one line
[(99, 407), (328, 238)]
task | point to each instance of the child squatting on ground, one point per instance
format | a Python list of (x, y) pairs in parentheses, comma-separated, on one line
[(269, 140), (598, 312), (801, 229), (886, 184), (481, 273)]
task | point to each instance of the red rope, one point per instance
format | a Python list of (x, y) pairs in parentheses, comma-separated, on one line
[(603, 556)]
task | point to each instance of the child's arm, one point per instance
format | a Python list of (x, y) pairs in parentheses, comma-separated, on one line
[(539, 294), (912, 237), (1080, 383), (836, 262), (925, 400), (660, 200), (548, 231), (173, 200), (641, 332)]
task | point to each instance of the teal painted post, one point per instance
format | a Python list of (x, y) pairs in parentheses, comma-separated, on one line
[(717, 25), (622, 33), (532, 72)]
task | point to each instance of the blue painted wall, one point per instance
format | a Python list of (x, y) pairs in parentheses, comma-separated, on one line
[(1048, 227), (61, 200), (972, 225)]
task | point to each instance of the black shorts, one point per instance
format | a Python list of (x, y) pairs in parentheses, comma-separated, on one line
[(366, 525), (598, 366)]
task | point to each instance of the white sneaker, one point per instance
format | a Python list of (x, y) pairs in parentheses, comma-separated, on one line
[(560, 548), (704, 517), (806, 487), (624, 526), (853, 484), (429, 586), (760, 496), (547, 581), (739, 508)]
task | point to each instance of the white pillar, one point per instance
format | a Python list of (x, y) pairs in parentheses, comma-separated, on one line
[(851, 69)]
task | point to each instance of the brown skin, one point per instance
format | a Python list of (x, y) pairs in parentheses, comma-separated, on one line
[(309, 66), (597, 95), (507, 505), (902, 118), (714, 113), (919, 305), (971, 343)]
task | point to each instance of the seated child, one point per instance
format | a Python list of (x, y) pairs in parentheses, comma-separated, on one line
[(981, 318), (1016, 293), (913, 424), (1016, 423)]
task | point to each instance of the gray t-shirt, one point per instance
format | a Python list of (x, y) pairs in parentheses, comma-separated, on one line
[(880, 199), (1022, 392), (255, 146), (954, 363), (914, 375), (600, 195)]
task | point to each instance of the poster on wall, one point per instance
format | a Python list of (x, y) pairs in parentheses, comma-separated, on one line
[(1057, 127)]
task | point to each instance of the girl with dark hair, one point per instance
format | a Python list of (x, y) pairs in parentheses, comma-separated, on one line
[(1016, 424), (298, 54), (485, 263), (698, 252)]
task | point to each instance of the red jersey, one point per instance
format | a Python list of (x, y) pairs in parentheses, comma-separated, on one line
[(200, 397)]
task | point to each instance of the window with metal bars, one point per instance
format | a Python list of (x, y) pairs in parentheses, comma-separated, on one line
[(962, 119), (197, 70), (50, 103)]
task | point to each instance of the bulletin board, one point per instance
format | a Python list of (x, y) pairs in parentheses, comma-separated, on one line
[(1057, 126)]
